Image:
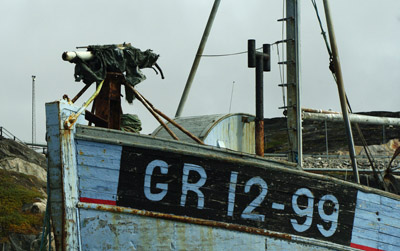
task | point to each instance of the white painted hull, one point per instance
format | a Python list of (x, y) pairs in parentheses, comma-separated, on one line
[(118, 231)]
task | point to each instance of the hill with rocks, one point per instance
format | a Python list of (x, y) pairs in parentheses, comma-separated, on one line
[(22, 195)]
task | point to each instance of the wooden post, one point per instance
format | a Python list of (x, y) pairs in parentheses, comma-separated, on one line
[(107, 105)]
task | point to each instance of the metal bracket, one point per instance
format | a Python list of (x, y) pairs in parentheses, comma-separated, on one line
[(287, 84), (286, 19)]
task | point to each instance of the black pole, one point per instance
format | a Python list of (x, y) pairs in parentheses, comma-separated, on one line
[(261, 61), (259, 106), (251, 53)]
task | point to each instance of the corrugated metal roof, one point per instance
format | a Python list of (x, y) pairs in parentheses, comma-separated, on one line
[(194, 124)]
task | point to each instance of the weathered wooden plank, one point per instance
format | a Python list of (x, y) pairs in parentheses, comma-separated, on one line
[(372, 245), (70, 177), (127, 232), (369, 223), (395, 204), (375, 235), (100, 162), (55, 179), (375, 225), (98, 170), (379, 219), (367, 208), (52, 115), (56, 195), (104, 156), (54, 169), (97, 149), (98, 173), (101, 186), (373, 201), (378, 209)]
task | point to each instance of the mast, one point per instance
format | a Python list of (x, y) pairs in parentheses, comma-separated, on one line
[(294, 123), (197, 58), (341, 90)]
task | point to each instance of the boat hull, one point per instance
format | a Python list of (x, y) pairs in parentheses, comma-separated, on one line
[(122, 191)]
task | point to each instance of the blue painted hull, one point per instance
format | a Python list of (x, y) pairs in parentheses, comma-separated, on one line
[(118, 191)]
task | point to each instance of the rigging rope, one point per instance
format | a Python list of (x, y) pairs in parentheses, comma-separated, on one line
[(322, 29)]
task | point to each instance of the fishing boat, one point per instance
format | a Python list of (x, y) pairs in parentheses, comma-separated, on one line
[(113, 189)]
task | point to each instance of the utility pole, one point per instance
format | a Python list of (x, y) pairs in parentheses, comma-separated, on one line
[(33, 112)]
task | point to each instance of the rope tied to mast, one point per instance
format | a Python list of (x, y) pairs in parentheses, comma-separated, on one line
[(323, 33)]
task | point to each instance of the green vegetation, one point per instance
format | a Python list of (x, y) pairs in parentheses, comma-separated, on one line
[(17, 189)]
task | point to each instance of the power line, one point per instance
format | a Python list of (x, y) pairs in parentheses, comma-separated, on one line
[(230, 104), (228, 54)]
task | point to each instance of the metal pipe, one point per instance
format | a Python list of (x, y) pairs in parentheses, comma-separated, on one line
[(197, 58), (354, 118), (341, 90), (299, 122), (70, 55), (87, 55), (259, 106), (318, 111), (326, 139)]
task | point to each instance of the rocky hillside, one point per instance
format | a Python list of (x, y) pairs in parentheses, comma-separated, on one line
[(22, 195)]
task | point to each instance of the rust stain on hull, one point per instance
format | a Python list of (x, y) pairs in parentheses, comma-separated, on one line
[(235, 227)]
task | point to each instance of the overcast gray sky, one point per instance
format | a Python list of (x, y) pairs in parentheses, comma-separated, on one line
[(35, 33)]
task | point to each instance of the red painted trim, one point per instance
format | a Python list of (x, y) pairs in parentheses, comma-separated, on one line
[(353, 245), (98, 201)]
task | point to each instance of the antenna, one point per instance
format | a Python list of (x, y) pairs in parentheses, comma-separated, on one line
[(33, 112), (230, 105)]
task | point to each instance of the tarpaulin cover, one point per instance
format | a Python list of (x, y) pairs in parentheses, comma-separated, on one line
[(109, 58), (131, 123)]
